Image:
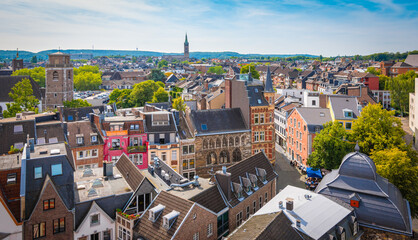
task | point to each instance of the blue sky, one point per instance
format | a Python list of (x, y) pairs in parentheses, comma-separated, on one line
[(330, 28)]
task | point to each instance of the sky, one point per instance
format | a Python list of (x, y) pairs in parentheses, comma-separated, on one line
[(328, 28)]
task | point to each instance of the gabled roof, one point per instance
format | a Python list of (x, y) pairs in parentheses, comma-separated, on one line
[(210, 199), (129, 171), (154, 230), (218, 120), (172, 79), (412, 60), (87, 129), (314, 117), (341, 103)]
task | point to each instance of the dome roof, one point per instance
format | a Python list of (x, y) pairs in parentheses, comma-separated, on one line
[(359, 165)]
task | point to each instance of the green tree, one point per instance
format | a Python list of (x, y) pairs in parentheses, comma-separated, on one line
[(400, 87), (330, 146), (86, 68), (395, 165), (23, 99), (373, 71), (250, 67), (160, 95), (121, 98), (34, 59), (157, 75), (162, 63), (76, 103), (37, 74), (149, 60), (178, 103), (383, 82), (216, 70), (377, 129), (143, 92), (87, 81)]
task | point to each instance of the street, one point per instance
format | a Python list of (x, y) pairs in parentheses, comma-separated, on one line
[(288, 175)]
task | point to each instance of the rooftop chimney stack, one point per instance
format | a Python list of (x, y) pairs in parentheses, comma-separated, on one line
[(289, 204), (298, 223), (223, 179)]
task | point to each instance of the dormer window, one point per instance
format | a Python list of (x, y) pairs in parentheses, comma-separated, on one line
[(262, 174), (353, 225), (80, 139), (253, 179), (93, 138), (169, 219), (155, 212), (238, 191), (348, 113), (246, 183)]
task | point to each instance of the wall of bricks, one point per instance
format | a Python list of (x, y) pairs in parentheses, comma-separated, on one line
[(198, 221)]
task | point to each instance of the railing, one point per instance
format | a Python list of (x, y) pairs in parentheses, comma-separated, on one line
[(127, 216)]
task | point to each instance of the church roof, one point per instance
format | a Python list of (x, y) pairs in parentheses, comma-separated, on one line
[(269, 83)]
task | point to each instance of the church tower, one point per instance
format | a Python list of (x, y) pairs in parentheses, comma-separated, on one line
[(186, 48), (268, 88), (17, 63), (58, 80)]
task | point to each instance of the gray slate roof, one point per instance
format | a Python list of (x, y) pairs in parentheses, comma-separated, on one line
[(255, 93), (381, 203), (159, 128), (339, 103), (412, 60), (218, 120), (314, 117)]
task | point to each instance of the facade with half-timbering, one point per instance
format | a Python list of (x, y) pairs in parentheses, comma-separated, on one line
[(221, 138)]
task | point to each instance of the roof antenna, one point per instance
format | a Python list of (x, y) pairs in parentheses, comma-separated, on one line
[(357, 147)]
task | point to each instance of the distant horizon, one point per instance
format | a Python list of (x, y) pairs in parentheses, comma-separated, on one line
[(327, 28)]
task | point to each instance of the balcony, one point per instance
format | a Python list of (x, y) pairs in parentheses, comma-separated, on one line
[(117, 133), (126, 216), (140, 148)]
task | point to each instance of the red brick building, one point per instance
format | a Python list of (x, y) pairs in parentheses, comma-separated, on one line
[(370, 80), (303, 125)]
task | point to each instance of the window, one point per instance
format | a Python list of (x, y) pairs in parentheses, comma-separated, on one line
[(210, 229), (248, 212), (107, 235), (11, 178), (94, 219), (124, 234), (55, 76), (79, 140), (313, 103), (41, 140), (80, 155), (19, 145), (38, 172), (239, 218), (191, 163), (18, 128), (265, 198), (132, 127), (136, 127), (95, 236), (173, 155), (53, 140), (261, 117), (56, 169), (93, 138), (254, 206), (162, 138), (261, 201), (49, 204), (196, 236), (256, 118), (348, 125), (185, 150), (59, 225), (204, 127), (256, 137), (94, 153), (115, 143), (262, 137), (164, 156), (39, 230), (348, 114), (151, 138), (185, 164)]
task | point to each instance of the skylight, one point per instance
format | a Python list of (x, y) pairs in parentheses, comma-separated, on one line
[(92, 192), (88, 172), (204, 127), (97, 183), (259, 101)]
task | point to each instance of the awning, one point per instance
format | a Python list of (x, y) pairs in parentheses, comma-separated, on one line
[(313, 173)]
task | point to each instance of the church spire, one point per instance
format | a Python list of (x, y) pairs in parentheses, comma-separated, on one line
[(186, 41), (268, 84), (17, 53)]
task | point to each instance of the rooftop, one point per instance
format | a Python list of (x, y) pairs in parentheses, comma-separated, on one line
[(26, 117), (317, 214), (46, 150), (10, 161), (91, 184)]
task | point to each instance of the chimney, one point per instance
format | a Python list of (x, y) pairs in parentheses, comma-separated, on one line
[(17, 156), (206, 85), (289, 204), (223, 179), (228, 93), (298, 223), (32, 145)]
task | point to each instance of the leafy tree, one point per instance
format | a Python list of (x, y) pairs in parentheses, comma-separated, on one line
[(330, 146), (121, 98), (373, 71), (160, 95), (157, 75), (395, 165), (87, 81), (250, 67), (178, 103), (216, 70), (37, 74), (400, 87), (149, 60), (86, 68), (383, 82), (143, 92), (34, 59), (377, 129), (175, 92), (23, 99), (162, 63), (76, 103)]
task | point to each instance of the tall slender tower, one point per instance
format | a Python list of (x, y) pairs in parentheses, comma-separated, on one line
[(58, 80), (186, 48), (17, 63)]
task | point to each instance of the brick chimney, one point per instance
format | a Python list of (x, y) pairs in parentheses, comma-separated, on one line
[(228, 93), (223, 179)]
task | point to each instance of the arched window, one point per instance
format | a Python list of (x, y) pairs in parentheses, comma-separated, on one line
[(211, 159), (69, 75), (205, 144), (243, 140), (211, 144), (236, 141), (218, 143), (55, 76), (231, 141), (224, 157), (224, 142), (236, 155)]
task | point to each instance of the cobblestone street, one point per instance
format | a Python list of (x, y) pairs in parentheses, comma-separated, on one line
[(288, 175)]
